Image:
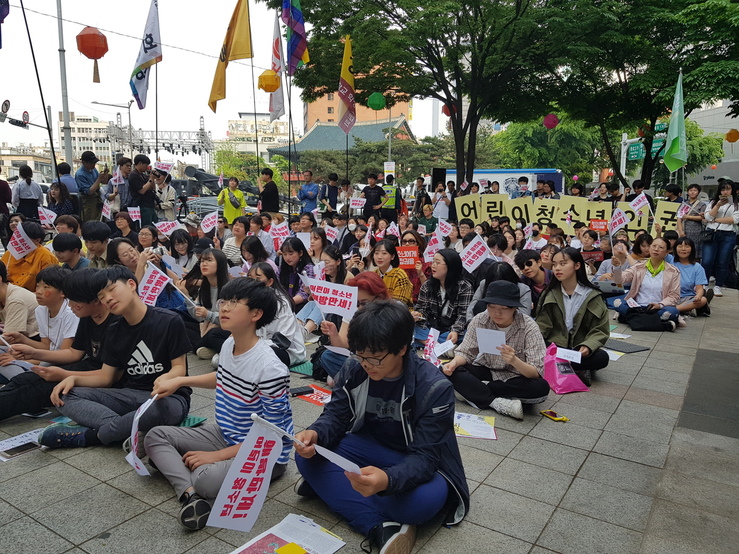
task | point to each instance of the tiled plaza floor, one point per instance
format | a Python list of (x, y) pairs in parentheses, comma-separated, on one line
[(648, 463)]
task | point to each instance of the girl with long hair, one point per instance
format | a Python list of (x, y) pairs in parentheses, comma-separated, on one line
[(443, 299), (572, 313), (148, 238), (295, 261), (213, 274), (453, 240), (232, 247), (694, 291), (722, 214), (181, 248), (253, 251), (318, 243), (284, 334), (27, 194), (385, 258), (60, 202)]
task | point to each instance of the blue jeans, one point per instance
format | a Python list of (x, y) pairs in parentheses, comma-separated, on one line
[(310, 311), (717, 255), (415, 506), (611, 299), (672, 310), (332, 362)]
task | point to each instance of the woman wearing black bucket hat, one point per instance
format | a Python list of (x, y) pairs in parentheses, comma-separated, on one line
[(501, 381)]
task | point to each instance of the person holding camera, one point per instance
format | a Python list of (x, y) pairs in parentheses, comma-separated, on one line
[(142, 188), (165, 195), (721, 216)]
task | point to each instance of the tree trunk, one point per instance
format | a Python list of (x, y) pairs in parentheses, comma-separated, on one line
[(473, 121)]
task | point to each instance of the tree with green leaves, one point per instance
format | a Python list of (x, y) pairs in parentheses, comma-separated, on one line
[(484, 51), (244, 165), (614, 63)]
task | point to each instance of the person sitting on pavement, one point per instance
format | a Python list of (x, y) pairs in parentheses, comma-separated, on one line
[(393, 416), (694, 291), (533, 274), (23, 271), (573, 315), (501, 381), (250, 380)]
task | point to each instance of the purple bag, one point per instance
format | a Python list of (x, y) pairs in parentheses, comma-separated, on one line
[(560, 375)]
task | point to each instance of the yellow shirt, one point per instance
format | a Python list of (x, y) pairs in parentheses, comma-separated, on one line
[(229, 211), (23, 272)]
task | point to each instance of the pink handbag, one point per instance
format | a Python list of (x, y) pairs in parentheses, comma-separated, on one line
[(560, 375)]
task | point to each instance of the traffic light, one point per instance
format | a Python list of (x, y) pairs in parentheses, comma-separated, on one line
[(17, 123)]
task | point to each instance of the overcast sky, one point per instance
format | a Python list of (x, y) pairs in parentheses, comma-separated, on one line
[(192, 35)]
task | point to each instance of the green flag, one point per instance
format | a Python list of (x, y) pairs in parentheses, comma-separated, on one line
[(676, 149)]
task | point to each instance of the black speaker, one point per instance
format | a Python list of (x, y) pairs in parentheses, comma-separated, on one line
[(438, 175)]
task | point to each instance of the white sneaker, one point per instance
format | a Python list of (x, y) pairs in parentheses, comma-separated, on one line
[(508, 406), (717, 291), (214, 361)]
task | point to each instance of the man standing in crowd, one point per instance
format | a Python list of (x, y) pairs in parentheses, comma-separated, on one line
[(269, 196), (329, 194), (308, 193), (88, 181), (142, 189), (673, 193), (374, 195), (422, 198), (65, 176)]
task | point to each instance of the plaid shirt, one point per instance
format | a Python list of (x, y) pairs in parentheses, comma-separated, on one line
[(432, 307), (398, 285), (523, 335)]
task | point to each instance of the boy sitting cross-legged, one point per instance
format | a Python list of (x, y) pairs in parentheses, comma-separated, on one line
[(30, 391), (149, 345), (250, 379)]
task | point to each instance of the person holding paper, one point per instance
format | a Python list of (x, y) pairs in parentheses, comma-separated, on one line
[(56, 321), (502, 377), (166, 195), (31, 391), (23, 272), (392, 415), (255, 227), (181, 247), (17, 307), (443, 300), (250, 380), (253, 252), (422, 271), (294, 263), (573, 315), (150, 347), (386, 261)]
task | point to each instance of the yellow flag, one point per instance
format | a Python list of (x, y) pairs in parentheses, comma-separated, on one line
[(236, 46)]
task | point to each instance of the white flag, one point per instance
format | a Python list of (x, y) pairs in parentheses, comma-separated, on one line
[(276, 98), (150, 53)]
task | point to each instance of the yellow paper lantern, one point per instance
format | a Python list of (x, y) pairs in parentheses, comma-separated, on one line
[(269, 81), (732, 135)]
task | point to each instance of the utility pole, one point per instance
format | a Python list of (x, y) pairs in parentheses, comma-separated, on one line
[(66, 128)]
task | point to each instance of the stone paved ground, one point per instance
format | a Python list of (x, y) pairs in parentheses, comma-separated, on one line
[(649, 462)]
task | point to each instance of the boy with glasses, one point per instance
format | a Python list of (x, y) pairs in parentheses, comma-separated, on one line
[(250, 380), (392, 414)]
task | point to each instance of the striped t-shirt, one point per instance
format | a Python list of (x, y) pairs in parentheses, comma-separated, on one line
[(253, 382)]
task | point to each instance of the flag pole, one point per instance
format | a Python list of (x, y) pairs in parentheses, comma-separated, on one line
[(347, 156), (156, 112), (41, 93), (256, 123)]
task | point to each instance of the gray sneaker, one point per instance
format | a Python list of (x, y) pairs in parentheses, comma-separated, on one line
[(508, 406)]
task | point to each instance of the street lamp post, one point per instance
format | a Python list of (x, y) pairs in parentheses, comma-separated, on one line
[(128, 107)]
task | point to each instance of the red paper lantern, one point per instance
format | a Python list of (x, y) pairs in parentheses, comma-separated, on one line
[(714, 166), (93, 44), (448, 111), (550, 121)]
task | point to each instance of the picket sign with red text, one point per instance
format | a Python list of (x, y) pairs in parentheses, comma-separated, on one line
[(46, 216), (464, 185), (117, 178), (152, 284), (444, 227), (319, 270), (639, 202), (164, 166), (528, 230), (332, 298), (279, 232), (433, 246), (168, 227), (529, 245), (106, 210), (393, 230), (422, 230), (20, 245), (483, 183), (332, 233), (357, 203), (477, 251), (244, 489), (220, 180), (619, 219), (681, 212), (131, 457), (429, 350), (135, 213), (209, 222)]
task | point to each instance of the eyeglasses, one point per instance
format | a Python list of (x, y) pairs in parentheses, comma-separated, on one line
[(229, 305), (370, 360), (156, 175), (409, 241), (529, 263)]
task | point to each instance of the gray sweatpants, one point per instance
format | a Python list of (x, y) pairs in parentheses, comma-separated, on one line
[(166, 446), (111, 411)]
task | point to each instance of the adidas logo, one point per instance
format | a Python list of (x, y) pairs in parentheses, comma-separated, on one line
[(142, 361)]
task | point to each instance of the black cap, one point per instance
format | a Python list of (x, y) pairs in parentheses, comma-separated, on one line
[(201, 245), (89, 157), (503, 293)]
